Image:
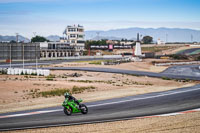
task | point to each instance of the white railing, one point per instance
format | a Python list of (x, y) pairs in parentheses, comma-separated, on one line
[(19, 71), (177, 63), (82, 57)]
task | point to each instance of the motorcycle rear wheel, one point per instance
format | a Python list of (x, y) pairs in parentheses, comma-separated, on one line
[(67, 111)]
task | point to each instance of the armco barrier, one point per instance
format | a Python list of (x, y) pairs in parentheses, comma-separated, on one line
[(83, 57), (177, 63), (19, 71)]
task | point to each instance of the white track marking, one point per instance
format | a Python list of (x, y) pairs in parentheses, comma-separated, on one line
[(30, 113), (169, 114), (197, 109), (134, 99)]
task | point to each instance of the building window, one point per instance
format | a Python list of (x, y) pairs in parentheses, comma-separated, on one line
[(72, 35), (73, 41), (72, 30), (80, 30), (80, 36)]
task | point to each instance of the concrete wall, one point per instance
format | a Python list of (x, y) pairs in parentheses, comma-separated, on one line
[(16, 51)]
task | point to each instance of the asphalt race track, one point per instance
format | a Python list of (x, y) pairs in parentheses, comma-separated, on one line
[(170, 73), (190, 51), (110, 110), (46, 62)]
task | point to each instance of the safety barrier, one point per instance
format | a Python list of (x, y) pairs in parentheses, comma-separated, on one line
[(84, 57), (177, 63), (19, 71)]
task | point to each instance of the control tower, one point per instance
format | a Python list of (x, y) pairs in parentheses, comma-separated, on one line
[(138, 51)]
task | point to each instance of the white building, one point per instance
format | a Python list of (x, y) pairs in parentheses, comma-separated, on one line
[(74, 35), (159, 42), (128, 42)]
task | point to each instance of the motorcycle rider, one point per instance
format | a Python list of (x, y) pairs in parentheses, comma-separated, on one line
[(71, 98)]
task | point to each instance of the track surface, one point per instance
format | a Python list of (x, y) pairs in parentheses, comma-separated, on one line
[(108, 110), (186, 72), (47, 62), (190, 51)]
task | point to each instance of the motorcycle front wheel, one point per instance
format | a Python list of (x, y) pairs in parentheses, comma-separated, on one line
[(84, 109), (67, 111)]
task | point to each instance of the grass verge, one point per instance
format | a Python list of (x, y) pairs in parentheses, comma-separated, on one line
[(61, 91)]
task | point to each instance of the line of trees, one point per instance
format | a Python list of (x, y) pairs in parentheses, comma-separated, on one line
[(39, 39), (147, 39)]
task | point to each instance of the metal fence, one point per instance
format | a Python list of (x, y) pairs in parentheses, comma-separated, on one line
[(19, 51)]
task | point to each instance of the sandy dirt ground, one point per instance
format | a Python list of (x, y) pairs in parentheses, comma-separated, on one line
[(185, 123), (145, 65), (16, 90)]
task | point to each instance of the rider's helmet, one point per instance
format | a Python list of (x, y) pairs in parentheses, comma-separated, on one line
[(66, 95)]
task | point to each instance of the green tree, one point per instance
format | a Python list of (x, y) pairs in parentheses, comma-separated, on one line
[(13, 41), (39, 39), (147, 39)]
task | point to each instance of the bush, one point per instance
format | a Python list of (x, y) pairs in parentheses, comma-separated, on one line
[(76, 90), (61, 92), (56, 92), (50, 77), (166, 78), (197, 58), (95, 62), (179, 57), (3, 71)]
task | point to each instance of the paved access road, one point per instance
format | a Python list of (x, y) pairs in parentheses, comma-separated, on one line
[(47, 62), (166, 74), (190, 51), (184, 70), (107, 110)]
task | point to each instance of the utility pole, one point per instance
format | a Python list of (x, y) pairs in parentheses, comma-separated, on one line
[(36, 59), (17, 37), (23, 56), (166, 38), (10, 55), (98, 36), (34, 33), (191, 38)]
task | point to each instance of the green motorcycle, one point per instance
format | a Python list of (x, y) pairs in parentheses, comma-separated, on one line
[(72, 107)]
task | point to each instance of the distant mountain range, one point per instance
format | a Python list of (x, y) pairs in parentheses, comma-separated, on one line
[(165, 34), (13, 38), (26, 40), (53, 38)]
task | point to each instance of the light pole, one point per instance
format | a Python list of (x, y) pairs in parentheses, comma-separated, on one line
[(36, 61), (34, 33), (191, 38), (17, 38), (23, 56), (10, 55)]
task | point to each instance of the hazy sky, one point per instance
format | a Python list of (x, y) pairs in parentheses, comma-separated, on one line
[(50, 17)]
